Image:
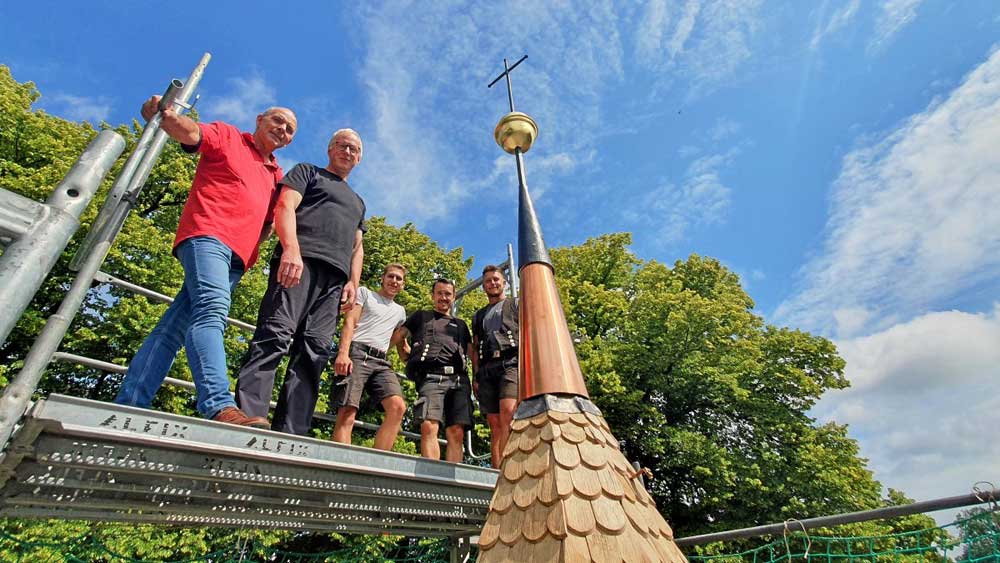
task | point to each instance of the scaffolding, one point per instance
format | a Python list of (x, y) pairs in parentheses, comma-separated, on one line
[(72, 458)]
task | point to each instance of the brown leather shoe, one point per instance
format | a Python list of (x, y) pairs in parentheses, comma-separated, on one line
[(233, 415)]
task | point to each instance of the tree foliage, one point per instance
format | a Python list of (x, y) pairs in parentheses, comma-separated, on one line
[(694, 383), (712, 399)]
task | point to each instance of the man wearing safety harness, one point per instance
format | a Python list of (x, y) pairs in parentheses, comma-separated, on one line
[(436, 363), (370, 328), (494, 339)]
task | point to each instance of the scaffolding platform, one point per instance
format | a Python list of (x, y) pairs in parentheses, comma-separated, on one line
[(79, 459)]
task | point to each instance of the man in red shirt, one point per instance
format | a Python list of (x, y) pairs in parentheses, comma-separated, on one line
[(220, 229)]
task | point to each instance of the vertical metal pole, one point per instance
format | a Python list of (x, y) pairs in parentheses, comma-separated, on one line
[(17, 395), (26, 262), (137, 169), (123, 181), (510, 91), (512, 270)]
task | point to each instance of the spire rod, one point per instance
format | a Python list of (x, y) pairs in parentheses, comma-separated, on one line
[(515, 133), (506, 74)]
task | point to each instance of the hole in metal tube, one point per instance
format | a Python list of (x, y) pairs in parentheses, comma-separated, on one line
[(73, 192)]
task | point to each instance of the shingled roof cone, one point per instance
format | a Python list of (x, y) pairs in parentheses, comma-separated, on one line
[(566, 491)]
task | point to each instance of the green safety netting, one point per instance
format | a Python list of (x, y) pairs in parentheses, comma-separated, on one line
[(972, 540)]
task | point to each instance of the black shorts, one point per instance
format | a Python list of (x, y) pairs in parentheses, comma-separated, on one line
[(444, 398), (496, 380), (368, 373)]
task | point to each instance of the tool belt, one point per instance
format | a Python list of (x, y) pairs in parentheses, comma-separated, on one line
[(368, 350)]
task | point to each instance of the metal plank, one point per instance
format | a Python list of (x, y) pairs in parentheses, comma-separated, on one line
[(36, 478), (86, 418), (83, 459)]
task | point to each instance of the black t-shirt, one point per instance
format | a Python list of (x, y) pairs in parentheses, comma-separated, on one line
[(328, 217), (444, 338)]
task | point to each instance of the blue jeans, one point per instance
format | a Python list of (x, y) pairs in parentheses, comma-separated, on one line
[(197, 320)]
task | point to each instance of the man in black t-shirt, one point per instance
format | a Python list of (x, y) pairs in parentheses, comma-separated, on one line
[(314, 273), (439, 345)]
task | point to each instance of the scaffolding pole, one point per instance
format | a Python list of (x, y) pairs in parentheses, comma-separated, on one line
[(978, 497)]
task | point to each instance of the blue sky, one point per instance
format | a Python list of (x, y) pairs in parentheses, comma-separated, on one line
[(839, 155)]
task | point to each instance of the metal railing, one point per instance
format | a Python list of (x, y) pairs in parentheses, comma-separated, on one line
[(976, 497), (104, 277)]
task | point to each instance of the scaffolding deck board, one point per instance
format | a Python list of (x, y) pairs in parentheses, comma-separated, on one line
[(79, 459)]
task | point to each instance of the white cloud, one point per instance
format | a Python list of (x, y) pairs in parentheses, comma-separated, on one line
[(80, 108), (723, 129), (892, 18), (426, 73), (838, 20), (651, 27), (669, 211), (915, 217), (701, 41), (248, 97), (722, 44), (922, 401), (684, 27)]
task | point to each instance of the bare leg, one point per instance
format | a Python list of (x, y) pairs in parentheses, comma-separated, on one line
[(387, 432), (495, 437), (344, 425), (429, 447), (507, 407), (454, 435)]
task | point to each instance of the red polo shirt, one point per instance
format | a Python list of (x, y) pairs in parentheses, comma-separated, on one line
[(233, 192)]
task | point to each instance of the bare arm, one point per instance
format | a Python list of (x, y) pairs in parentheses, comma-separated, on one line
[(357, 260), (290, 266), (399, 341), (182, 129), (343, 364)]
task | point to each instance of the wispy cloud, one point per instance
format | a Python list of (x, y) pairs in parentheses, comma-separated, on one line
[(914, 219), (922, 396), (893, 16), (702, 42), (666, 213), (426, 73), (838, 20), (247, 97), (79, 108), (722, 44)]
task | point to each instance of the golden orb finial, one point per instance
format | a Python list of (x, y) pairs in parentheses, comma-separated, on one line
[(514, 130)]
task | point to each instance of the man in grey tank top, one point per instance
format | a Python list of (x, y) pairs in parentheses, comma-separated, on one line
[(370, 328)]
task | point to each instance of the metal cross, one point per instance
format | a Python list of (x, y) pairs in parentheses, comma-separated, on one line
[(506, 72)]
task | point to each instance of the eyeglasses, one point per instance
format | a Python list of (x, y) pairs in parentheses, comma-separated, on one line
[(352, 150)]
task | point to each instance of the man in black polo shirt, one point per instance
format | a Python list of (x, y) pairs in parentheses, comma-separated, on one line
[(439, 344), (315, 271)]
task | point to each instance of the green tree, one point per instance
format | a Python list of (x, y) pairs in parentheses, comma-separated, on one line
[(36, 150), (706, 394)]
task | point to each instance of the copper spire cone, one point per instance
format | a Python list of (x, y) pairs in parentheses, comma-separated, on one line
[(566, 491)]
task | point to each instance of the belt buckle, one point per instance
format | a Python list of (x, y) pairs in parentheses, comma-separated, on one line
[(448, 370)]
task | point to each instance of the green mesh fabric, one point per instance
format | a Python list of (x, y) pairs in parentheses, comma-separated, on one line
[(973, 540)]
